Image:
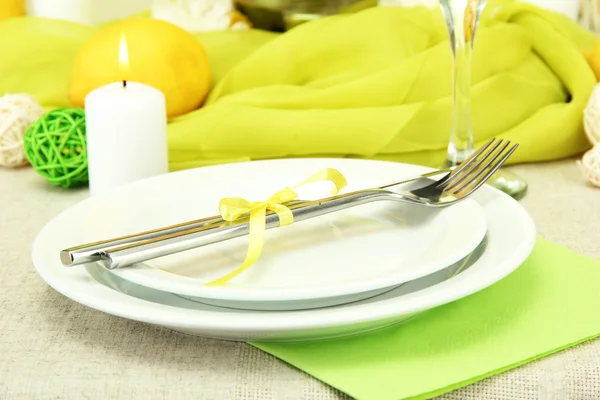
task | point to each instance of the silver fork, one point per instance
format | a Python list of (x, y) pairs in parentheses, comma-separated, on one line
[(455, 186), (90, 252)]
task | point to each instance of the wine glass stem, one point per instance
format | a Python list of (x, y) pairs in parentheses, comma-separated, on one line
[(462, 17)]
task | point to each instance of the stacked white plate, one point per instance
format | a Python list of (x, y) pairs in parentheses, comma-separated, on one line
[(343, 273)]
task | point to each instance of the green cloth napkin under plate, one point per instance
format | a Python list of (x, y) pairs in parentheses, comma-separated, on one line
[(372, 84), (549, 303)]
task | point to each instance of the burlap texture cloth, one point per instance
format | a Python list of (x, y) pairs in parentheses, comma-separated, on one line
[(53, 348)]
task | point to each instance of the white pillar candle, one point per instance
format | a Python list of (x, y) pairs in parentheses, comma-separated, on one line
[(126, 129)]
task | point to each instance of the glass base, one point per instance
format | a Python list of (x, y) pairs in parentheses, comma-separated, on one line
[(510, 183)]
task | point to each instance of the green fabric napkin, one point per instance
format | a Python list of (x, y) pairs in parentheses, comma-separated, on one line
[(549, 303), (371, 84)]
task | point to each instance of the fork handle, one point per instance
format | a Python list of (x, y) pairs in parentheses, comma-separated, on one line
[(90, 252), (193, 238)]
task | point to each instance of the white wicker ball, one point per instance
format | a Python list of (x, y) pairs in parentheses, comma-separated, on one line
[(591, 116), (590, 165), (17, 113)]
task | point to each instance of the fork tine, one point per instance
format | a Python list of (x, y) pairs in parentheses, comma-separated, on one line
[(478, 179), (494, 168), (476, 172), (466, 173), (477, 183), (472, 158)]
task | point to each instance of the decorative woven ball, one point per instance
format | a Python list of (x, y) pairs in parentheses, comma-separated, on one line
[(55, 145), (590, 165), (591, 116), (17, 113)]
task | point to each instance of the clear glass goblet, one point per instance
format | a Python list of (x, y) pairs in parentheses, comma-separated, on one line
[(462, 18)]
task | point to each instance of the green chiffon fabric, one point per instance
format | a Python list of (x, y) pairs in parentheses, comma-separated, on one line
[(372, 84)]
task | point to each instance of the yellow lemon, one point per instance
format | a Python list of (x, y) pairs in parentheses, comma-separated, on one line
[(159, 54), (11, 8), (593, 58)]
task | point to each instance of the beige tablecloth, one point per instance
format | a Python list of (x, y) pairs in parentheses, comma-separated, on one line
[(53, 348)]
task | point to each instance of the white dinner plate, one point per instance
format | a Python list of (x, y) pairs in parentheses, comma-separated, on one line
[(510, 238), (333, 259)]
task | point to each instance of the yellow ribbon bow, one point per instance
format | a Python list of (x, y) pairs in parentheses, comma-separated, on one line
[(232, 208)]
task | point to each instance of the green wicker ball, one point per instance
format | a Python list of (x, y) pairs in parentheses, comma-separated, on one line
[(55, 145)]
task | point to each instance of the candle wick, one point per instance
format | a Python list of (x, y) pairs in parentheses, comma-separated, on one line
[(124, 83)]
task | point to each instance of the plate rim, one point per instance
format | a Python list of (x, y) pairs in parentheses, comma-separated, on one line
[(105, 299)]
